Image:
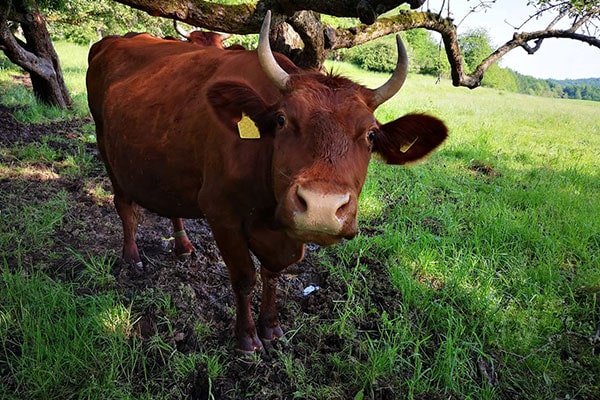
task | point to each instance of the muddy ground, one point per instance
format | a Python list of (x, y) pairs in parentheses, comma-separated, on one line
[(198, 288)]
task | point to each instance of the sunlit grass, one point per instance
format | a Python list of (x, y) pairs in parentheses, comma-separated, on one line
[(64, 348), (502, 221), (73, 59)]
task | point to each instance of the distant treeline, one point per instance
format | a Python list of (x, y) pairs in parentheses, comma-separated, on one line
[(586, 89), (581, 89)]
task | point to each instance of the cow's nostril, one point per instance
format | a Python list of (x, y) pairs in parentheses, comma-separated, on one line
[(343, 207), (302, 205)]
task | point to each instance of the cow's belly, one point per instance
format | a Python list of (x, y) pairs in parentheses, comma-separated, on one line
[(161, 183), (165, 198), (167, 203)]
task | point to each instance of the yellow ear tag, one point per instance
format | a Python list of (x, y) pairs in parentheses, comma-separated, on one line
[(407, 146), (247, 128)]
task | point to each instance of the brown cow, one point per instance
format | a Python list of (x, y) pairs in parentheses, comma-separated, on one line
[(202, 38), (273, 156)]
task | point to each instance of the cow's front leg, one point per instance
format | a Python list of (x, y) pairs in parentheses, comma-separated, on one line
[(242, 274), (275, 251), (242, 282), (183, 246), (268, 320)]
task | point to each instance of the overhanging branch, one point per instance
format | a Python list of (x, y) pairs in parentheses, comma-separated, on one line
[(247, 18), (240, 18), (346, 38)]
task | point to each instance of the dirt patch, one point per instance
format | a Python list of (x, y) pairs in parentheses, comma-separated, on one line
[(14, 132), (484, 170)]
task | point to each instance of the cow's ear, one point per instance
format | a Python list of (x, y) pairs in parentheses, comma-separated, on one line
[(409, 138), (234, 102)]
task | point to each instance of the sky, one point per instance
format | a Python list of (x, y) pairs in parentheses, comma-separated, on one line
[(557, 58)]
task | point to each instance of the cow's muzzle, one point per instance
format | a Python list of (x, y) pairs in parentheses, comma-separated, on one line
[(321, 217)]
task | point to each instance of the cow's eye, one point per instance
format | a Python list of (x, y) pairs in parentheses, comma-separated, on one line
[(371, 135), (281, 120)]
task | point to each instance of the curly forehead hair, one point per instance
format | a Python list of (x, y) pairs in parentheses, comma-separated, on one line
[(320, 88)]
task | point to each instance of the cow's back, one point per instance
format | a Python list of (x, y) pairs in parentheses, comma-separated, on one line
[(156, 130), (116, 58), (145, 70)]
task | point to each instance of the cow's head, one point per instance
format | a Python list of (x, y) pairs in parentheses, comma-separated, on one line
[(202, 38), (323, 133)]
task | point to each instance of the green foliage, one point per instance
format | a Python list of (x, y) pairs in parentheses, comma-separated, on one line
[(249, 42), (87, 21), (378, 55), (5, 63), (425, 55), (582, 91), (475, 46), (581, 5), (500, 78)]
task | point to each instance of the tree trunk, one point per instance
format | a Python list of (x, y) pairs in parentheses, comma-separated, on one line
[(300, 37), (36, 55)]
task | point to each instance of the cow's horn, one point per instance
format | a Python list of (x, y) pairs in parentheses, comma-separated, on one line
[(393, 85), (267, 61), (180, 30)]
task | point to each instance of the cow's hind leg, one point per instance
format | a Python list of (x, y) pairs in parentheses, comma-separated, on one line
[(183, 246), (128, 212)]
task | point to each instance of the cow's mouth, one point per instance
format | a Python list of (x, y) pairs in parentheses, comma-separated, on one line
[(320, 238)]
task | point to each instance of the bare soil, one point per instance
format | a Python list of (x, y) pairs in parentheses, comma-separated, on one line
[(197, 289)]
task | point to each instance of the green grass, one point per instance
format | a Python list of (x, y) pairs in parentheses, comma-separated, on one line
[(60, 346), (488, 254), (73, 59), (496, 239)]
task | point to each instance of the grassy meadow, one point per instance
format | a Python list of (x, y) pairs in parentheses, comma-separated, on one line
[(476, 274)]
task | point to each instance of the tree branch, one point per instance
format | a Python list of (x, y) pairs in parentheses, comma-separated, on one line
[(520, 40), (16, 53), (366, 10), (346, 38), (247, 18), (240, 18)]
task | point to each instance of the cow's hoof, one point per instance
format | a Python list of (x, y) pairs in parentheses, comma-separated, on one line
[(136, 266), (268, 334), (183, 257), (183, 248), (249, 346)]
